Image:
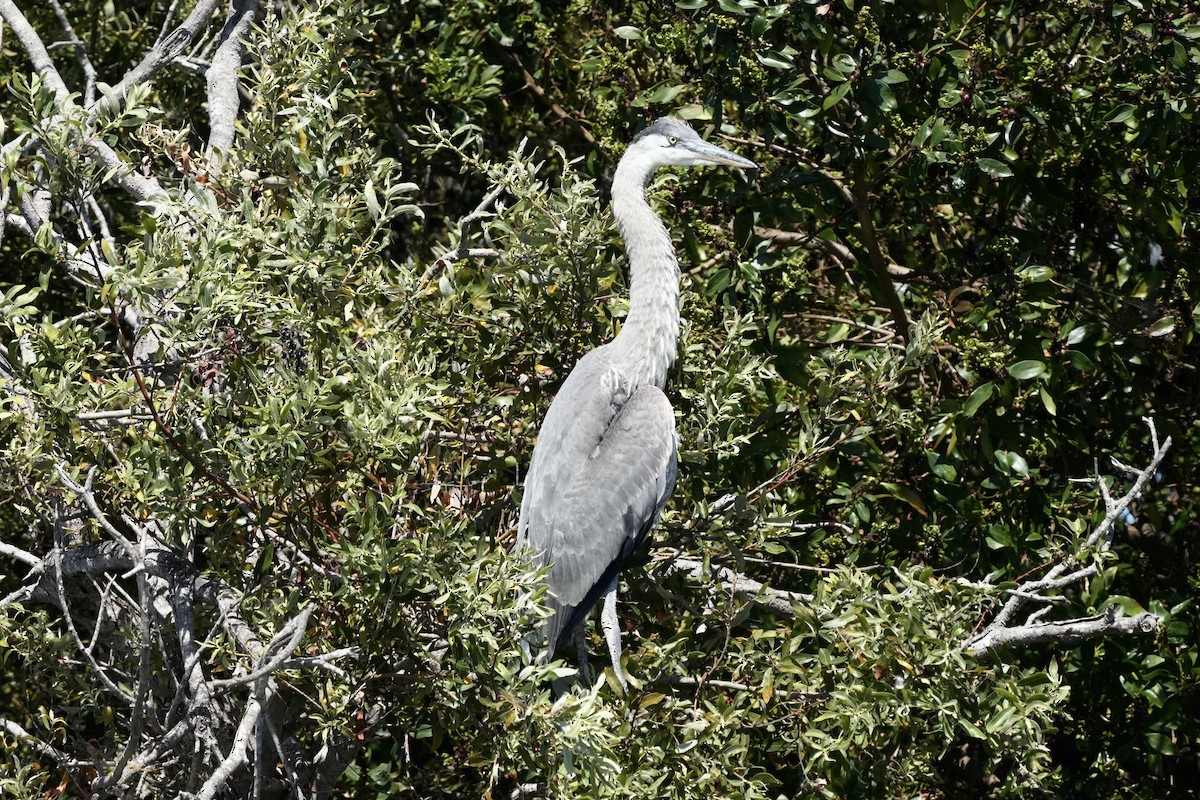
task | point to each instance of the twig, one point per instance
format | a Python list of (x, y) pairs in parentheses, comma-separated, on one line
[(483, 210), (22, 735), (116, 414), (81, 55), (532, 84), (97, 670), (323, 661), (137, 719), (1135, 491), (293, 631), (138, 187), (776, 601), (167, 20), (84, 492), (31, 42), (732, 686), (183, 612), (876, 262)]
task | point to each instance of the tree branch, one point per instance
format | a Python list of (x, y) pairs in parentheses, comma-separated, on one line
[(138, 187), (32, 44), (1005, 631), (877, 264), (777, 601), (237, 751), (222, 77), (20, 555), (81, 55), (159, 56), (22, 735), (1066, 632)]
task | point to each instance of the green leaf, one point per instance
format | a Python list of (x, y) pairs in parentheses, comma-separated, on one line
[(881, 93), (1164, 326), (1127, 605), (1001, 720), (901, 492), (844, 64), (946, 472), (775, 59), (997, 169), (735, 7), (1027, 370), (1048, 401), (971, 728), (1119, 114), (836, 95), (978, 398), (1012, 463), (1036, 273), (1160, 743), (628, 32), (372, 200), (999, 538), (663, 93)]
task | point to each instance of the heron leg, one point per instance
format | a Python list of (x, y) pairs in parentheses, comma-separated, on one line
[(612, 631)]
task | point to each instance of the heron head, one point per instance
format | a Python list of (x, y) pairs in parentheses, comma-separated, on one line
[(671, 142)]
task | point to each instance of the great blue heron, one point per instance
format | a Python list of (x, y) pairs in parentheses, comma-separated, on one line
[(604, 463)]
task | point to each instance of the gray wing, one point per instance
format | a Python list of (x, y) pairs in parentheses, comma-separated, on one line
[(602, 469)]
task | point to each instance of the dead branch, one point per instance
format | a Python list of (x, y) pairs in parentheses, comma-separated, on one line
[(1006, 630), (777, 601)]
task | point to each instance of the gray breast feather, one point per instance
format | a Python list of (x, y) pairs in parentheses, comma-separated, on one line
[(601, 472)]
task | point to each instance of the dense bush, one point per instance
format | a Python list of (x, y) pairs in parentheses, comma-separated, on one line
[(288, 386)]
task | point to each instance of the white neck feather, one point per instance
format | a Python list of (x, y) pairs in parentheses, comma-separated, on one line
[(647, 343)]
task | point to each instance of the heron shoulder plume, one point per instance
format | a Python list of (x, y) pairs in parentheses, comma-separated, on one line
[(605, 460)]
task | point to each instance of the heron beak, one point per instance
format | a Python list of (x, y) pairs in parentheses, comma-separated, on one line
[(712, 154)]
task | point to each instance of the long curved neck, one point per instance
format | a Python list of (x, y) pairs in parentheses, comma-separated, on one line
[(647, 343)]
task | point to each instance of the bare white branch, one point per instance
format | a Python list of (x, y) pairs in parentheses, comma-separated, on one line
[(1068, 632), (289, 636), (84, 492), (324, 661), (81, 55), (237, 752), (159, 56), (99, 671), (1005, 631), (222, 76), (22, 735), (730, 686), (20, 555), (776, 601), (32, 44)]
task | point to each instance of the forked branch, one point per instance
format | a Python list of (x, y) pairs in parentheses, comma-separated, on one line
[(1020, 620)]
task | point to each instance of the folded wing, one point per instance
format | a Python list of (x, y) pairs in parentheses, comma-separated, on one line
[(602, 470)]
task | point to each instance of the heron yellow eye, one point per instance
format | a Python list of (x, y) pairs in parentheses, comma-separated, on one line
[(672, 140)]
